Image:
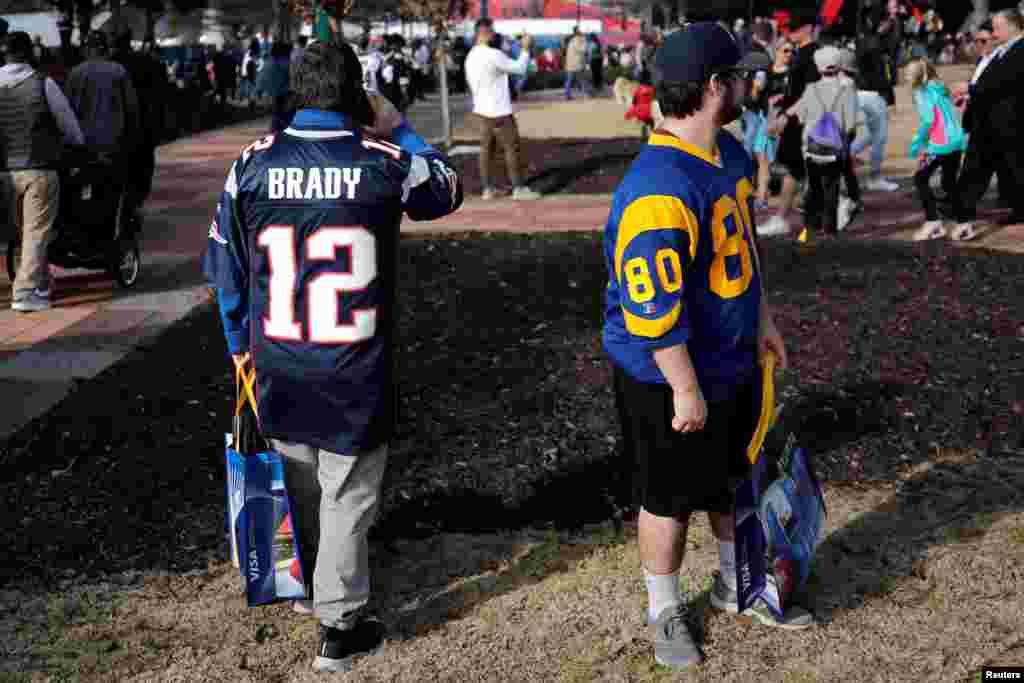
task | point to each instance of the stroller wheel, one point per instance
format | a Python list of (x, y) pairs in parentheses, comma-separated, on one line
[(13, 258), (126, 262)]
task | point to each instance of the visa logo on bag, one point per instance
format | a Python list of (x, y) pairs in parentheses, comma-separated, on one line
[(254, 567)]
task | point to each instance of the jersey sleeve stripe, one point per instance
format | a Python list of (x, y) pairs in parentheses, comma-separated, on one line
[(654, 212), (385, 143), (658, 327), (395, 152)]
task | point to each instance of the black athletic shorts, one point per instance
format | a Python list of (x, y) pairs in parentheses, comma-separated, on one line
[(790, 153), (678, 473)]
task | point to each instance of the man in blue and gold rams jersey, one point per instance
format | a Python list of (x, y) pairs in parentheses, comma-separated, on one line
[(686, 321), (303, 252)]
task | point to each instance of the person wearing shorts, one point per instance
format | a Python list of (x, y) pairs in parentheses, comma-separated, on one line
[(686, 321)]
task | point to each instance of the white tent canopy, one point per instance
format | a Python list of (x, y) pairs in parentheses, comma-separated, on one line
[(42, 24)]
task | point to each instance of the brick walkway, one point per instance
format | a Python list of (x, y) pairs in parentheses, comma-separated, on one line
[(95, 323)]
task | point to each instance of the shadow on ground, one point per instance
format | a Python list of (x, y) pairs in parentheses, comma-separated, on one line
[(506, 421)]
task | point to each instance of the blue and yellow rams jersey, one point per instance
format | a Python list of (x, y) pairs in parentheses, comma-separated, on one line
[(679, 246)]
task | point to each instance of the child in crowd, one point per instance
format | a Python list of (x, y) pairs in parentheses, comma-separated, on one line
[(828, 111), (941, 139)]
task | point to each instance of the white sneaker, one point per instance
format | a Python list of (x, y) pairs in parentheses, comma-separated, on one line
[(848, 210), (964, 232), (488, 194), (31, 301), (931, 230), (776, 225), (881, 184), (525, 193)]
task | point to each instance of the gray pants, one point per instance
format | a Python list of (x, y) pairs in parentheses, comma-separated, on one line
[(336, 499)]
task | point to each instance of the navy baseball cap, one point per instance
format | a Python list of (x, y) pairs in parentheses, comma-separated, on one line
[(693, 54)]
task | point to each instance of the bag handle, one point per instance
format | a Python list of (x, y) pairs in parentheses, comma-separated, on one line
[(767, 418), (245, 388), (245, 382)]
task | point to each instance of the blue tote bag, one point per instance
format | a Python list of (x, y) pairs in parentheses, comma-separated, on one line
[(262, 540), (780, 512)]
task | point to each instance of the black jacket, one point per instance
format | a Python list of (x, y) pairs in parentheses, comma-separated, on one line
[(874, 68), (997, 99)]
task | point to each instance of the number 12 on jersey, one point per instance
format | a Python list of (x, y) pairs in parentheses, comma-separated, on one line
[(323, 291)]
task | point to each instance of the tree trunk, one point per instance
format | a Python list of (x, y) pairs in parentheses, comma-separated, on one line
[(115, 18), (83, 12)]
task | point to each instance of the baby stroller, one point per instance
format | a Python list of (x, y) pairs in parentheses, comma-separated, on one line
[(96, 226)]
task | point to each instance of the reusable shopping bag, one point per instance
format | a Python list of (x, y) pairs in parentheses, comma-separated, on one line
[(263, 544), (780, 511)]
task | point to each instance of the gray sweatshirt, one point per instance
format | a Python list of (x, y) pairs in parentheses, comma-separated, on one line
[(12, 74), (828, 94)]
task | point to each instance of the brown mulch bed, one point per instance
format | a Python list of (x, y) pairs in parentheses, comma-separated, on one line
[(506, 413), (576, 166)]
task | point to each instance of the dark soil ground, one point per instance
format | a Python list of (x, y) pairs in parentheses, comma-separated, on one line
[(578, 166), (506, 415)]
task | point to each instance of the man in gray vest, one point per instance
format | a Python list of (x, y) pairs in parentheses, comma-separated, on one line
[(34, 118)]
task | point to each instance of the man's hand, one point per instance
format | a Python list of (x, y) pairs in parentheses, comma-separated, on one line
[(770, 341), (691, 410), (386, 117), (240, 359), (527, 42)]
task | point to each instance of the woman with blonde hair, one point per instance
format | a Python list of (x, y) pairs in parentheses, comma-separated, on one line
[(940, 137)]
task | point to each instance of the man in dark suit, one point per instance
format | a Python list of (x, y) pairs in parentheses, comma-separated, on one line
[(996, 103)]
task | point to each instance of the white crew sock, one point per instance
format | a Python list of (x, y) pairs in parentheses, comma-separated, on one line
[(727, 562), (662, 592)]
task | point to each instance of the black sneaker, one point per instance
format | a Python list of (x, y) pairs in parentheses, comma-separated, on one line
[(339, 649)]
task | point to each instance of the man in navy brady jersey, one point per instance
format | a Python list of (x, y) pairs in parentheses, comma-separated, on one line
[(302, 253), (686, 322)]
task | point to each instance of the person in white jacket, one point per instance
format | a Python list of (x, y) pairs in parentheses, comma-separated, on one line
[(487, 72)]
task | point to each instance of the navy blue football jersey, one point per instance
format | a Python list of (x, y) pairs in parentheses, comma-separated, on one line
[(682, 263), (302, 252)]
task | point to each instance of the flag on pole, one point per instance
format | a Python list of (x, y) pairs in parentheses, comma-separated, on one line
[(830, 10)]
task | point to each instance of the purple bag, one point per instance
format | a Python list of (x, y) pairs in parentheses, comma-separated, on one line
[(826, 138)]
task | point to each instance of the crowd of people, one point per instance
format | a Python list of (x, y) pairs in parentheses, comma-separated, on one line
[(105, 107), (852, 80)]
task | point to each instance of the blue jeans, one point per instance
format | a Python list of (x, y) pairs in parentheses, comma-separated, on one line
[(876, 116), (576, 77)]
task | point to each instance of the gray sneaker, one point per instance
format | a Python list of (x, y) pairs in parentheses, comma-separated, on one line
[(488, 194), (673, 643), (726, 599), (31, 301), (723, 597)]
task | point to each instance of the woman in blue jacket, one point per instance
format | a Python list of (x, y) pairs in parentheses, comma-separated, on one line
[(941, 139)]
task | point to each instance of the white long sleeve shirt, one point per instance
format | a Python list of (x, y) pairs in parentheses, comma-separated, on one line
[(487, 71)]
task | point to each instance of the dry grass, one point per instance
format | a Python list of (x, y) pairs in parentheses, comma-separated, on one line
[(904, 583)]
